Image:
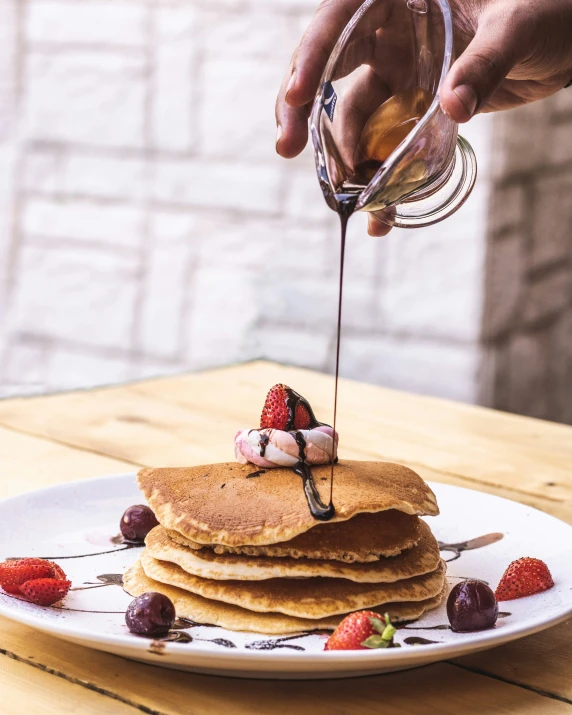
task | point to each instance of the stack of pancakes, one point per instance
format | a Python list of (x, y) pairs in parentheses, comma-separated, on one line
[(239, 548)]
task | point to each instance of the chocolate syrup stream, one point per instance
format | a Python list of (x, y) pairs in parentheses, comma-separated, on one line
[(346, 206)]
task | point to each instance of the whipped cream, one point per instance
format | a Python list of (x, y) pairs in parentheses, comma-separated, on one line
[(278, 448)]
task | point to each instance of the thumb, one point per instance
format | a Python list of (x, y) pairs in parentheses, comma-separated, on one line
[(483, 66)]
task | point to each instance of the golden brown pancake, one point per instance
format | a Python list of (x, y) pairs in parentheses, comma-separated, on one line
[(203, 610), (422, 558), (302, 598), (363, 538), (218, 504)]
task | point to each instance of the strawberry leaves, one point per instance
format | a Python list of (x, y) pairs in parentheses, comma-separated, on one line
[(383, 636)]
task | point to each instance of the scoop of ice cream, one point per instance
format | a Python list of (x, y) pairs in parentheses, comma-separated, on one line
[(278, 448)]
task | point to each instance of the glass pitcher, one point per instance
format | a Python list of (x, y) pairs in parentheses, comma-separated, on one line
[(381, 140)]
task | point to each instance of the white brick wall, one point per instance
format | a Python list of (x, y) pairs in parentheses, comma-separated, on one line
[(148, 226), (171, 259), (84, 297), (83, 221), (87, 23), (174, 86), (86, 97), (84, 173)]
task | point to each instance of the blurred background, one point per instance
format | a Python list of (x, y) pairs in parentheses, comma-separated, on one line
[(147, 226)]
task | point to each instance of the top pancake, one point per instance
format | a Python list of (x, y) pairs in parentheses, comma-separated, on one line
[(218, 504)]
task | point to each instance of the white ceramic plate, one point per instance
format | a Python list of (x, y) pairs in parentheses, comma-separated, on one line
[(79, 520)]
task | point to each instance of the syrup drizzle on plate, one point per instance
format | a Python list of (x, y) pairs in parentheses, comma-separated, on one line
[(179, 631)]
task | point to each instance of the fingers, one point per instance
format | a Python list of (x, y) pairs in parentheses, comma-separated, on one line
[(376, 226), (303, 77), (291, 125), (301, 81), (315, 48), (500, 42)]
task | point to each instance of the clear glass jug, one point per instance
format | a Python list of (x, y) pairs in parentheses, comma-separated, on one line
[(381, 139)]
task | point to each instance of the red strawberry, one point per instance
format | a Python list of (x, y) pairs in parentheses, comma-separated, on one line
[(275, 413), (524, 577), (362, 630), (302, 419), (45, 591), (58, 571), (14, 573), (39, 580)]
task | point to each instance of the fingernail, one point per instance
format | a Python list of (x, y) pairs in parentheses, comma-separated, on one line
[(278, 133), (468, 98), (291, 82)]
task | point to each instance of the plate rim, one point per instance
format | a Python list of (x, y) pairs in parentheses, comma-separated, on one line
[(362, 659)]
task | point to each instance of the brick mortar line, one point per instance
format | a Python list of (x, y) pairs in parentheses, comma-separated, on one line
[(49, 342), (82, 683), (58, 243), (563, 117), (177, 208), (147, 238), (350, 331), (161, 205), (529, 328), (534, 175), (106, 151), (13, 251), (55, 47), (548, 270)]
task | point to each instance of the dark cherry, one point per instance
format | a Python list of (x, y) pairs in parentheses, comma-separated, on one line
[(472, 606), (150, 614), (136, 522)]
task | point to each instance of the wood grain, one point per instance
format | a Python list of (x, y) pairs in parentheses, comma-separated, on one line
[(542, 661), (32, 463), (192, 419), (440, 688), (26, 687)]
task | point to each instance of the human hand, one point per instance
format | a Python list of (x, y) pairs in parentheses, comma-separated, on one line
[(509, 53)]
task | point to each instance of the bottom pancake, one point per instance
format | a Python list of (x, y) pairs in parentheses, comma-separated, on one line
[(233, 618), (302, 598)]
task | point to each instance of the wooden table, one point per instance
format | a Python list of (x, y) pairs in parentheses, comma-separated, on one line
[(192, 419)]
